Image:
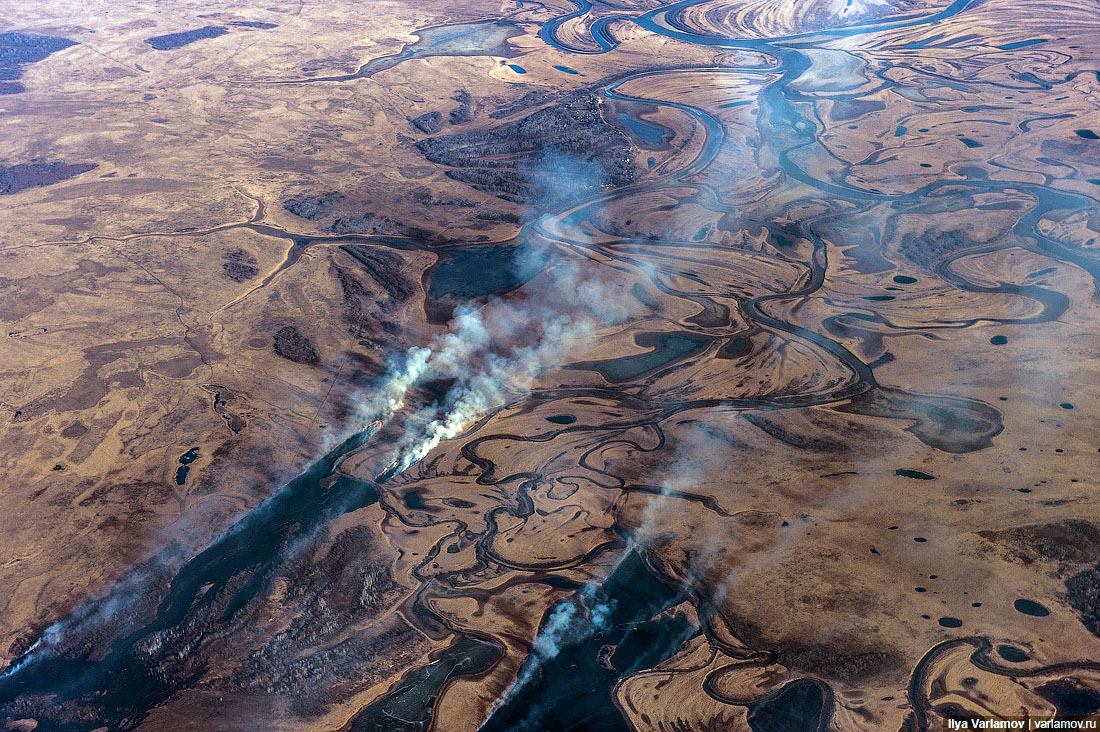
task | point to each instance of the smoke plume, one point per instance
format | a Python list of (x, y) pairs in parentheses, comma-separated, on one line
[(492, 355)]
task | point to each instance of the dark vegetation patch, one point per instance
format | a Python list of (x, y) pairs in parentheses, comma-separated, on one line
[(427, 197), (563, 150), (364, 312), (354, 292), (945, 423), (386, 269), (1071, 541), (292, 345), (18, 50), (462, 113), (435, 390), (16, 178), (223, 399), (239, 265), (254, 24), (914, 474), (429, 123), (312, 208), (172, 41), (508, 218), (25, 640), (344, 583), (530, 99), (75, 431), (845, 660), (844, 110), (1083, 589), (367, 223), (1078, 148), (128, 494), (783, 433), (783, 234), (1070, 697), (928, 248), (349, 583), (837, 663)]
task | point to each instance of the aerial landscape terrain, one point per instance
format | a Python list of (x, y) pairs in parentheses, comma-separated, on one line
[(549, 365)]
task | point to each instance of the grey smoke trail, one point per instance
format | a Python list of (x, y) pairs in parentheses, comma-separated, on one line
[(541, 322), (542, 328), (388, 396), (115, 610), (489, 388), (569, 624), (442, 357)]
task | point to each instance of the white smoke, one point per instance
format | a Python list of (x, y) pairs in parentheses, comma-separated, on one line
[(488, 388), (569, 624), (28, 655), (116, 610), (388, 396), (493, 354), (857, 7)]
